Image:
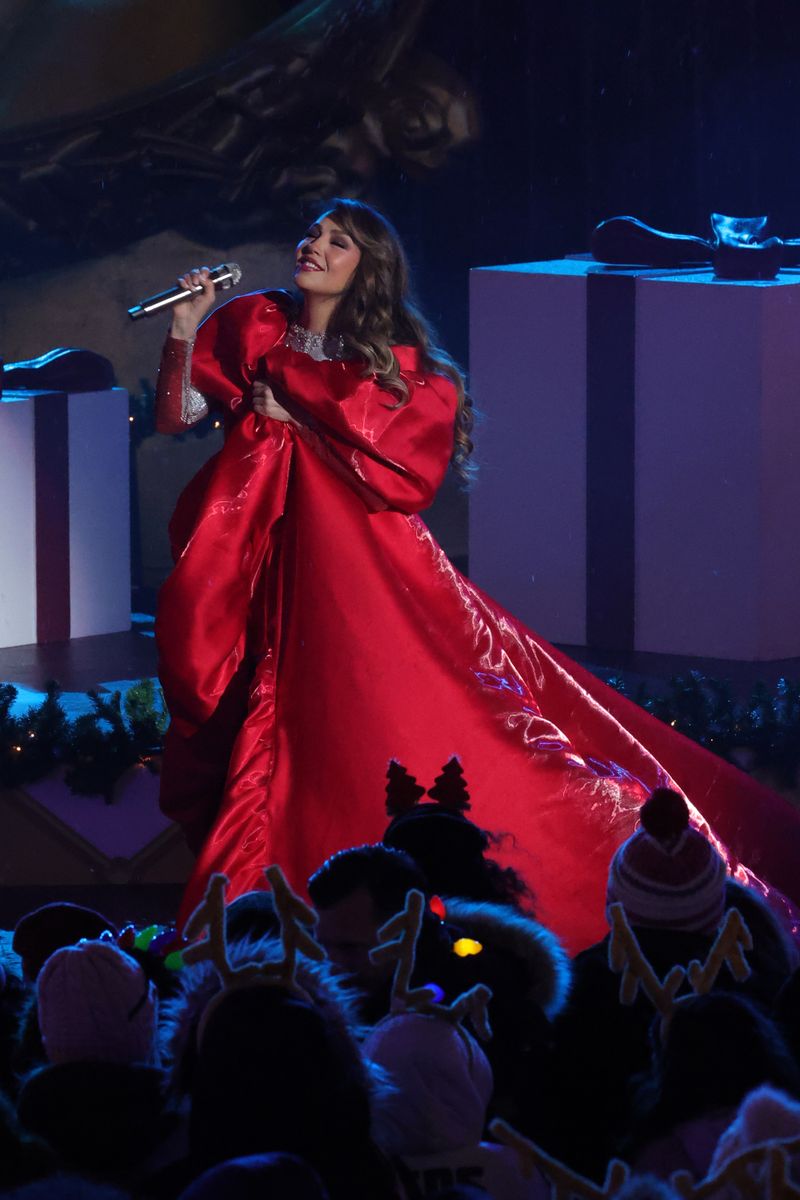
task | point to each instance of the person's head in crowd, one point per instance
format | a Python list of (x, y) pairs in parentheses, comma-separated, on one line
[(461, 1191), (251, 916), (23, 1157), (786, 1011), (765, 1115), (773, 955), (104, 1118), (433, 1117), (273, 1073), (521, 961), (259, 1177), (96, 1004), (27, 1051), (667, 875), (450, 849), (47, 929), (181, 1016), (442, 1085), (355, 893), (14, 999), (670, 881), (99, 1100), (646, 1187), (66, 1186), (529, 974), (716, 1049)]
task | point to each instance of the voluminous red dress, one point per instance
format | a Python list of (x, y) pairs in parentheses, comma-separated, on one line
[(312, 629)]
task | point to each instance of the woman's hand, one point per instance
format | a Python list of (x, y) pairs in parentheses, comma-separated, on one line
[(265, 404), (187, 314)]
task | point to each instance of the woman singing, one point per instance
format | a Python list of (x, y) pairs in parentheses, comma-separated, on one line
[(312, 629)]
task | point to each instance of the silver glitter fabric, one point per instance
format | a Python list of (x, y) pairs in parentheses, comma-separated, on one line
[(175, 392), (193, 403), (322, 347)]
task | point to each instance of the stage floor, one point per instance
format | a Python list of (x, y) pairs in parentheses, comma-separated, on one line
[(83, 663)]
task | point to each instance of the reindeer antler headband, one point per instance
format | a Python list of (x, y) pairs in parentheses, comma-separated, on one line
[(625, 957), (296, 919), (398, 938)]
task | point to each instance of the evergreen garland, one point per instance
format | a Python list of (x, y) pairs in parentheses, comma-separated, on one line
[(96, 748), (30, 745), (761, 732)]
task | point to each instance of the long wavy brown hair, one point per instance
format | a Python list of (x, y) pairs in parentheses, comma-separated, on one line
[(377, 311)]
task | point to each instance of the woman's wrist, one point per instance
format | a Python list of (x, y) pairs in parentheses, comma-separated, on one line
[(182, 333)]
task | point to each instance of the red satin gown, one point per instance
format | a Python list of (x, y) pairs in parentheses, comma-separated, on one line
[(312, 629)]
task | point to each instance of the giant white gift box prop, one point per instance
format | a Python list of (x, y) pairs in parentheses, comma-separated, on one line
[(64, 519), (640, 457)]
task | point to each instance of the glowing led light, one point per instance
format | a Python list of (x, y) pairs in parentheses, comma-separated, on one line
[(437, 907), (437, 994), (464, 947)]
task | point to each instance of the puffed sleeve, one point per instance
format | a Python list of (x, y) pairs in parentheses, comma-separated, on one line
[(396, 454), (217, 369)]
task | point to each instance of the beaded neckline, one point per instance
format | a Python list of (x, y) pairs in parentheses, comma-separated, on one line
[(320, 346)]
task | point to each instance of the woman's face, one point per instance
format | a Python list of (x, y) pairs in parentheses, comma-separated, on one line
[(326, 259)]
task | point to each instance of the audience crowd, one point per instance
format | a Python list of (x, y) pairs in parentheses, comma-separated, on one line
[(126, 1071)]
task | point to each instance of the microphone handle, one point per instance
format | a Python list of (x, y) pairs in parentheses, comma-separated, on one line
[(223, 277)]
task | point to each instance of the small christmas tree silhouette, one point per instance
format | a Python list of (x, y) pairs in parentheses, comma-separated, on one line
[(450, 788), (402, 789)]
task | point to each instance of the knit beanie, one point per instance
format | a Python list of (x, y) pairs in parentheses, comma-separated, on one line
[(668, 875), (41, 932), (765, 1115), (96, 1004), (443, 1084)]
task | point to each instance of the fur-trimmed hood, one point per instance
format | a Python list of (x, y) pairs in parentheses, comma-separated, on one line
[(180, 1015), (547, 965)]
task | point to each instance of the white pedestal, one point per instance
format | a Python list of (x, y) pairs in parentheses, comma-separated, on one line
[(702, 481), (527, 521), (64, 523)]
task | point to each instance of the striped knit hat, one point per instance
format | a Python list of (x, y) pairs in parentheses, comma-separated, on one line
[(96, 1005), (667, 875)]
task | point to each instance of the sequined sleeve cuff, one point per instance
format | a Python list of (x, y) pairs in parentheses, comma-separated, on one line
[(178, 404)]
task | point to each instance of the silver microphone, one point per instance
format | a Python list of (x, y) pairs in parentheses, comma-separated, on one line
[(223, 277)]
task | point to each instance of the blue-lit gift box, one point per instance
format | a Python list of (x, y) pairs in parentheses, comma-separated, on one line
[(639, 483), (65, 515)]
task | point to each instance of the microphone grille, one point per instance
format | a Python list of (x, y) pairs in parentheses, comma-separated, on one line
[(236, 272)]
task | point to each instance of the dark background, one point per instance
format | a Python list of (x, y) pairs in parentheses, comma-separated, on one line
[(589, 109), (665, 109)]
